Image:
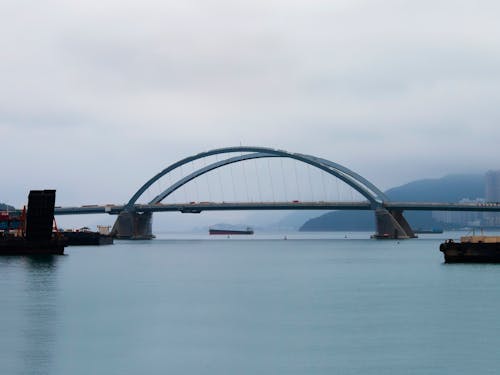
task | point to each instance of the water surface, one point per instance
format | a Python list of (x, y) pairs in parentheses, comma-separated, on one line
[(311, 304)]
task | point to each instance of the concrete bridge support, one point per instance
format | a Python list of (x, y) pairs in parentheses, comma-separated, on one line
[(133, 226), (391, 224)]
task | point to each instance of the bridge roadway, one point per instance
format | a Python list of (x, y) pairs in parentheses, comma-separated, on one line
[(198, 207)]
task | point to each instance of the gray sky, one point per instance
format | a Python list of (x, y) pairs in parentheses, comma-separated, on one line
[(98, 96)]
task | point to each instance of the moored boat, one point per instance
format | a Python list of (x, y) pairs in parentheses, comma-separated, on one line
[(428, 231), (22, 246), (84, 237), (472, 249), (31, 233)]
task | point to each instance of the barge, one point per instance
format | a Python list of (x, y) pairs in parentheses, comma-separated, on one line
[(85, 237), (31, 232), (472, 249), (214, 231), (22, 246)]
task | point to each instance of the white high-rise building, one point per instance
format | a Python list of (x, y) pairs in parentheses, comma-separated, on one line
[(492, 194), (493, 186)]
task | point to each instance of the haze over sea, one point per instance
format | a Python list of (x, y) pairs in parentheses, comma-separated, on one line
[(313, 304)]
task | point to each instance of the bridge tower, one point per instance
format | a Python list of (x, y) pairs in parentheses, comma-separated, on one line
[(133, 225), (391, 224)]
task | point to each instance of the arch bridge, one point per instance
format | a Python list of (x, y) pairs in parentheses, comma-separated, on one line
[(134, 220)]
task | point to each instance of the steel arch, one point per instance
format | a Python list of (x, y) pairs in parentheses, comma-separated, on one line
[(357, 182), (207, 169)]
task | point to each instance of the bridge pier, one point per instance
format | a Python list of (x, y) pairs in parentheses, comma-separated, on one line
[(391, 224), (133, 226)]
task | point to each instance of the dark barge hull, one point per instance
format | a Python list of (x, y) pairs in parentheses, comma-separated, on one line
[(87, 238), (228, 232), (36, 237), (470, 252), (22, 246)]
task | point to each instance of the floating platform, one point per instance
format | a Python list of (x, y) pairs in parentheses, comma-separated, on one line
[(22, 246), (472, 249), (33, 232), (86, 238)]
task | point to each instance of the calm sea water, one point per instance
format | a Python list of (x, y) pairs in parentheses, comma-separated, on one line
[(307, 305)]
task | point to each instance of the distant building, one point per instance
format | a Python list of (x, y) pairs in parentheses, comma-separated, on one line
[(461, 218), (492, 186), (476, 219), (492, 194)]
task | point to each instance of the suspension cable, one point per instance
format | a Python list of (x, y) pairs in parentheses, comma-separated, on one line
[(322, 174), (297, 180), (245, 178), (220, 178), (310, 182), (184, 189), (339, 198), (168, 177), (271, 179), (232, 180), (208, 182), (197, 192), (258, 179), (283, 177)]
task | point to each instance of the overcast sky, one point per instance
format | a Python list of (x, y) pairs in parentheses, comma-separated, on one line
[(98, 96)]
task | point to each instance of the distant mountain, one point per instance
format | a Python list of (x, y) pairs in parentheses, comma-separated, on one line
[(227, 226), (294, 220), (450, 188), (260, 223)]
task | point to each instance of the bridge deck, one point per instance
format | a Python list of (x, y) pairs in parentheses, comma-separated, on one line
[(198, 207)]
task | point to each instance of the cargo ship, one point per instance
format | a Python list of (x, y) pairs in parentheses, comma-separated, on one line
[(31, 231), (214, 231), (472, 249)]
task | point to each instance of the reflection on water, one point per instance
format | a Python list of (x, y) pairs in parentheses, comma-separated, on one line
[(29, 303)]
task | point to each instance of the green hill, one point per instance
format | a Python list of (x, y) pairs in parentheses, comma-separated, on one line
[(450, 188)]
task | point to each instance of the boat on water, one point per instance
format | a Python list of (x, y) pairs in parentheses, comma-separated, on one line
[(472, 249), (30, 232), (428, 231), (214, 231), (85, 237), (22, 246)]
